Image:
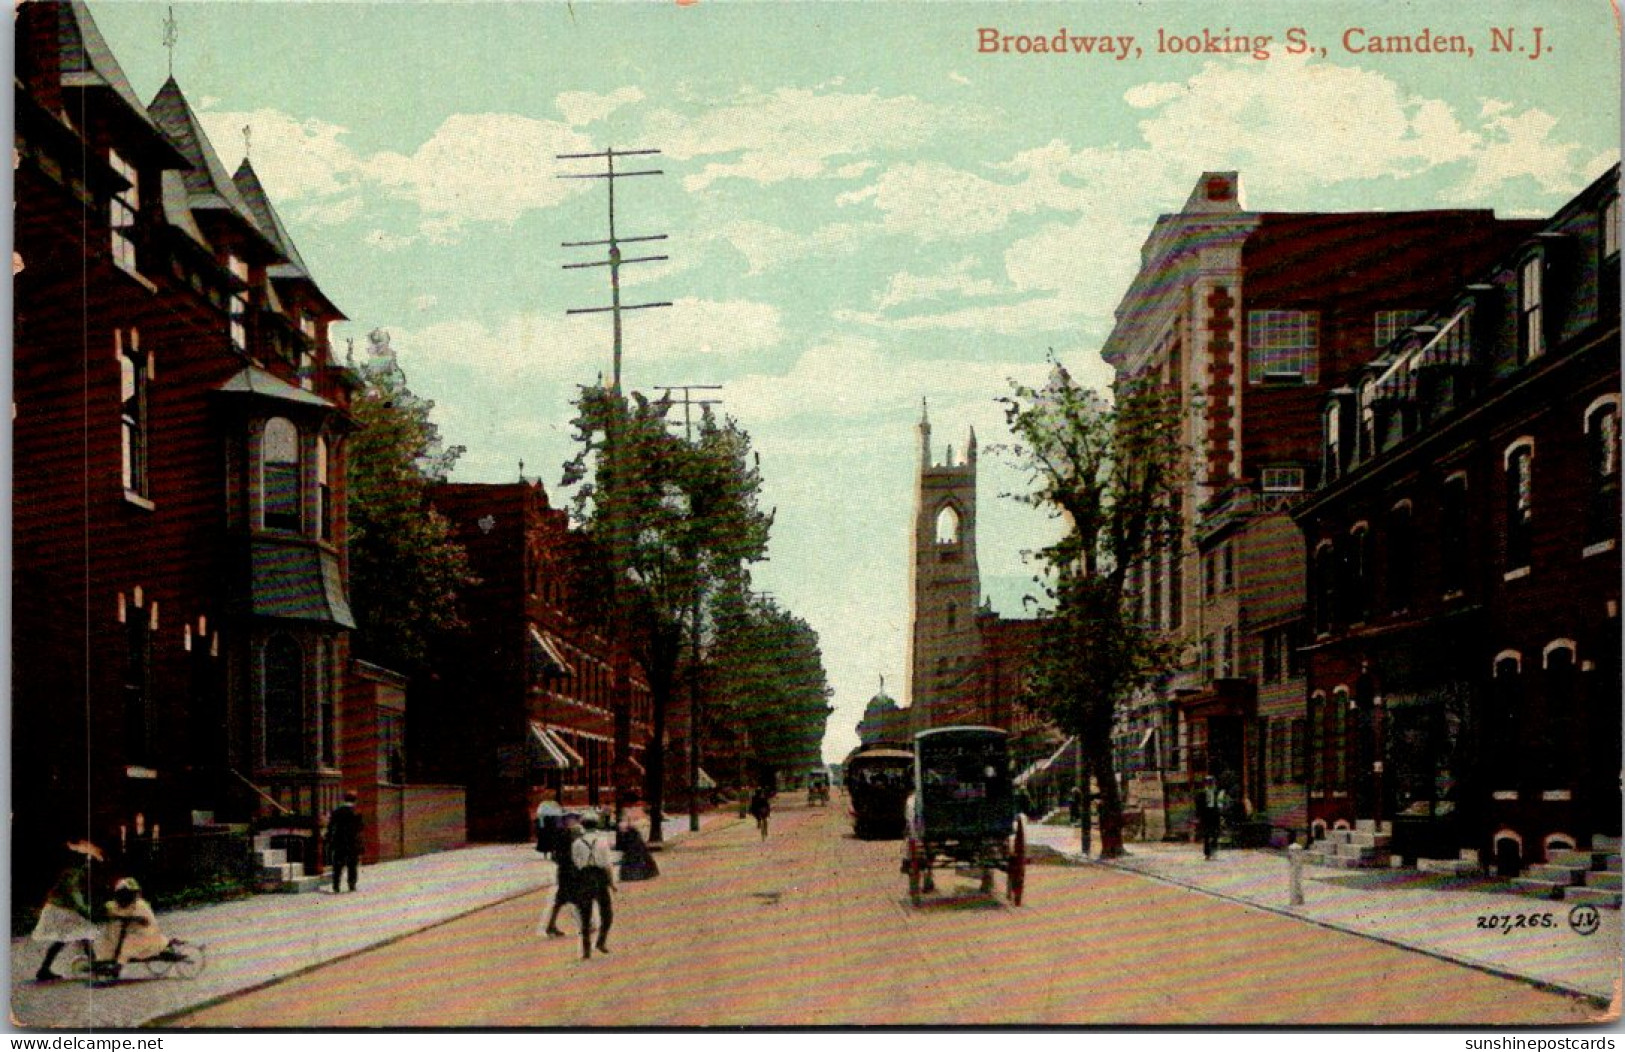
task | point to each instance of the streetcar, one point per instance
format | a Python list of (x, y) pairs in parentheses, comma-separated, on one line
[(962, 814), (878, 779)]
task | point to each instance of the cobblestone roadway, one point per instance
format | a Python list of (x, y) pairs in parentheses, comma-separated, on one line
[(814, 928)]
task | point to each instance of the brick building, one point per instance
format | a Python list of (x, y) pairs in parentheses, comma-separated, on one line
[(538, 696), (1464, 568), (1252, 317), (180, 607)]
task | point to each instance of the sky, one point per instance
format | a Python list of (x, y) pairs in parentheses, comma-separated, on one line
[(864, 209)]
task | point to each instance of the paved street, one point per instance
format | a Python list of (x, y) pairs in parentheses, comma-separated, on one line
[(814, 928)]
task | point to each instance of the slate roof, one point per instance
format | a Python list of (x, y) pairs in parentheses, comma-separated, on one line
[(207, 185)]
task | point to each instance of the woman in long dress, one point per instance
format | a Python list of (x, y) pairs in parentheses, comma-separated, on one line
[(65, 916), (636, 861)]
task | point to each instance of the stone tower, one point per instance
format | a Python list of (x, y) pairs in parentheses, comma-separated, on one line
[(945, 586)]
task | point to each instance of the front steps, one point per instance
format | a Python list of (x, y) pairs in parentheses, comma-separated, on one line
[(276, 873), (1587, 877), (1362, 847)]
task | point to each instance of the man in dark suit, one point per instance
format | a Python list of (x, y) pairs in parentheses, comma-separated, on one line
[(344, 840)]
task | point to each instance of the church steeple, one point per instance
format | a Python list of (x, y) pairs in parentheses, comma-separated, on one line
[(925, 435)]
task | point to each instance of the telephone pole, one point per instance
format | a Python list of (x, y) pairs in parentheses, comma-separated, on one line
[(610, 507), (689, 401)]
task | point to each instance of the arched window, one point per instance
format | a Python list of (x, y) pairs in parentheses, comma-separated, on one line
[(1357, 568), (283, 702), (1325, 585), (1602, 455), (948, 525), (1455, 539), (1520, 504), (279, 475), (1503, 735), (1401, 554)]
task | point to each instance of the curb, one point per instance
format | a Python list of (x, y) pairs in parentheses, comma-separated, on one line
[(1597, 1001)]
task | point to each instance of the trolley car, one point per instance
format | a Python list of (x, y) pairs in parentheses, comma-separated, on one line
[(878, 779), (963, 814)]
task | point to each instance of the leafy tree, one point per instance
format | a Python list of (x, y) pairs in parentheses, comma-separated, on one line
[(1113, 471), (405, 567), (677, 517), (767, 675)]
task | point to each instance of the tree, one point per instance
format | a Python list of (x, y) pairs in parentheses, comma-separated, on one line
[(1114, 473), (767, 673), (677, 518), (405, 567)]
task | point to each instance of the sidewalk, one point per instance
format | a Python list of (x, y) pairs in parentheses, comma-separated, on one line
[(1429, 913), (257, 940)]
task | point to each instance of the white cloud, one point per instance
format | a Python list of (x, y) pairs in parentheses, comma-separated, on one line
[(796, 133), (767, 247), (1520, 145), (584, 107), (956, 280), (295, 159), (384, 241)]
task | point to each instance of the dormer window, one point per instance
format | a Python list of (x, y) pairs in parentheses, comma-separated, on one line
[(1531, 304), (125, 205), (1283, 346)]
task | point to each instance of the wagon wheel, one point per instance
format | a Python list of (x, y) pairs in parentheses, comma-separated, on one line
[(159, 964), (1018, 864), (190, 959), (913, 871)]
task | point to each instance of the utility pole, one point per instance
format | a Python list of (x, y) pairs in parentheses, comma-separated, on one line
[(689, 401), (611, 506)]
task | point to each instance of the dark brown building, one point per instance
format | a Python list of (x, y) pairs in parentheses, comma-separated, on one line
[(538, 696), (1463, 560), (180, 616)]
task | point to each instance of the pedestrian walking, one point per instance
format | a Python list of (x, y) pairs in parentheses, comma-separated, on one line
[(344, 840), (595, 880), (636, 861), (761, 809), (1210, 806), (564, 881), (65, 915)]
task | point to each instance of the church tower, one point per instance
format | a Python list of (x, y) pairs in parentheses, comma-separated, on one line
[(945, 587)]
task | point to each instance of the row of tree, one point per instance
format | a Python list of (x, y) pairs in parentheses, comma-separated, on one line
[(678, 517)]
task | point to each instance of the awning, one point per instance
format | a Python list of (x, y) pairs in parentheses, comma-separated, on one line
[(706, 781), (256, 381), (299, 582), (546, 655), (550, 751)]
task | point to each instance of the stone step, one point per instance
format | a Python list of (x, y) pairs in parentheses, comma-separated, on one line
[(1603, 881), (280, 872), (1537, 888), (273, 856), (1605, 843), (1365, 825), (1592, 897), (1340, 862), (1371, 839), (1576, 859), (1459, 867), (296, 886), (1557, 874)]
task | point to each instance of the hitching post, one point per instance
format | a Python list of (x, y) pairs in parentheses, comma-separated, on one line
[(1294, 857)]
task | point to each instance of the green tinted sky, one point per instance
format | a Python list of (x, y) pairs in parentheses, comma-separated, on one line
[(863, 209)]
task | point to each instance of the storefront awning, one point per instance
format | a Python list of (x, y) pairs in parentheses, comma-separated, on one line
[(551, 752), (546, 655)]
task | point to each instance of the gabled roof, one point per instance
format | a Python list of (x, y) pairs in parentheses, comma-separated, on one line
[(207, 185), (87, 62), (178, 209), (247, 182)]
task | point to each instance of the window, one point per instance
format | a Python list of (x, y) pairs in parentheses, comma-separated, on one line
[(135, 371), (137, 688), (1390, 324), (1277, 751), (1332, 465), (125, 205), (1340, 741), (1602, 454), (239, 304), (1298, 741), (1504, 734), (953, 616), (279, 479), (1317, 750), (1453, 535), (1210, 587), (1227, 566), (327, 691), (1206, 669), (1294, 650), (283, 702), (1401, 554), (1357, 564), (1520, 504), (391, 748), (1283, 346), (1531, 326), (324, 499), (947, 525), (1176, 584), (1274, 646), (1154, 570), (1283, 480), (1227, 653), (1610, 229), (1325, 587)]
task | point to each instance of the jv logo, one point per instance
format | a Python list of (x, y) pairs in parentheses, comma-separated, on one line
[(1585, 919)]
